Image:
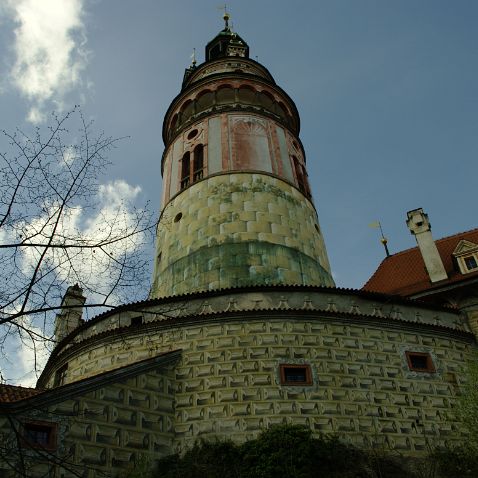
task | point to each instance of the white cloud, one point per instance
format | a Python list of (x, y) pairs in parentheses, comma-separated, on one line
[(114, 210), (117, 191), (30, 357), (49, 48)]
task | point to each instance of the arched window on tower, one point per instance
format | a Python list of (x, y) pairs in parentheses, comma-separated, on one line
[(301, 176), (198, 162), (185, 170)]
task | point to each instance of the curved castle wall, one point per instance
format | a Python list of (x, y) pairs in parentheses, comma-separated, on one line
[(235, 230), (228, 381)]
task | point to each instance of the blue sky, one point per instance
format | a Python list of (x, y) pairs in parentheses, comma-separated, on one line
[(387, 93)]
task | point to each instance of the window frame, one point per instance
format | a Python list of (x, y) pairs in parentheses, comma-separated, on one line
[(471, 258), (301, 177), (193, 166), (430, 366), (60, 375), (50, 427), (308, 375)]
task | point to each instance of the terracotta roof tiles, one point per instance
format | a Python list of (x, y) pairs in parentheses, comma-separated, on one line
[(405, 274), (12, 393)]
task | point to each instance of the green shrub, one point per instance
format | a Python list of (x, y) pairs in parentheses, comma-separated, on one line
[(216, 459), (459, 462), (283, 451)]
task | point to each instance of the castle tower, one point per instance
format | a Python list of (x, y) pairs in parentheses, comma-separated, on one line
[(236, 205)]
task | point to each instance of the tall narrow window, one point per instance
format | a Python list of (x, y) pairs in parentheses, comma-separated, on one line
[(185, 170), (306, 182), (198, 163), (60, 375), (301, 176)]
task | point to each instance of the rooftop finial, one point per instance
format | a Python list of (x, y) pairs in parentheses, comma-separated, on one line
[(193, 57), (226, 17), (383, 239)]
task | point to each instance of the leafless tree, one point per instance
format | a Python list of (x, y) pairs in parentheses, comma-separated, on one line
[(56, 231)]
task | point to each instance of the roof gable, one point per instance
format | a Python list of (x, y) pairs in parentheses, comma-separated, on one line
[(465, 247)]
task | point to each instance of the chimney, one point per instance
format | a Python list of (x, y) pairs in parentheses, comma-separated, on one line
[(419, 226), (69, 318)]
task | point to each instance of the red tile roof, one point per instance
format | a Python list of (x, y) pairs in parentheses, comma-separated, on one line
[(405, 274), (12, 393)]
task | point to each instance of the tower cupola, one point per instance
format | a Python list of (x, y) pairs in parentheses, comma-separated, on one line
[(226, 43)]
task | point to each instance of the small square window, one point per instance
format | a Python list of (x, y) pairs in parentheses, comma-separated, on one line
[(136, 320), (40, 435), (470, 262), (420, 362), (295, 374)]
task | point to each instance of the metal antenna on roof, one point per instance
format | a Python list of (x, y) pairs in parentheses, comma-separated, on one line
[(383, 239)]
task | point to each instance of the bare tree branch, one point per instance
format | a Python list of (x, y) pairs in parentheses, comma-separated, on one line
[(60, 226)]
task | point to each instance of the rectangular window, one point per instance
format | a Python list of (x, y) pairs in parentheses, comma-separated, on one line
[(198, 162), (301, 176), (40, 435), (470, 262), (185, 170), (136, 320), (295, 374), (420, 362)]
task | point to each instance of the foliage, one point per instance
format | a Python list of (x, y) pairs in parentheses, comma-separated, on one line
[(459, 462), (206, 459), (462, 461), (140, 469), (467, 408), (283, 451), (287, 450)]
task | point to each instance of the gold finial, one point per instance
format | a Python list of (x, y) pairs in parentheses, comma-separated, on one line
[(383, 239), (226, 16), (226, 20)]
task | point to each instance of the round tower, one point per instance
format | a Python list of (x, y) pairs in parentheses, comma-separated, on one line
[(236, 204)]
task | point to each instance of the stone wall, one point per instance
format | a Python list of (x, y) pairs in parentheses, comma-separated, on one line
[(239, 229), (106, 430), (228, 382)]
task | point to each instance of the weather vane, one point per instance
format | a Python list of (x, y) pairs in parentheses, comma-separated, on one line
[(383, 239)]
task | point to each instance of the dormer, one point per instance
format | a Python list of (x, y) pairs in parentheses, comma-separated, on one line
[(466, 256)]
